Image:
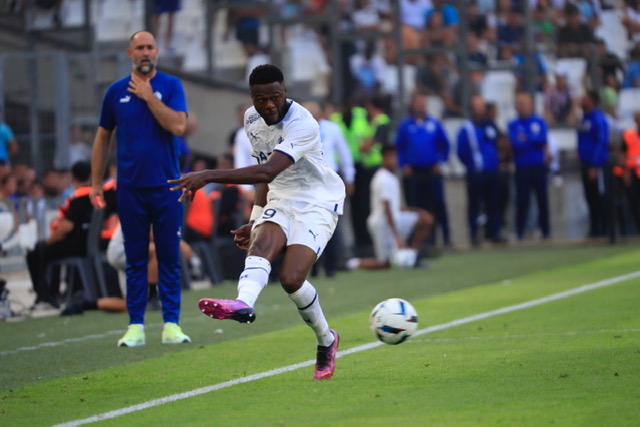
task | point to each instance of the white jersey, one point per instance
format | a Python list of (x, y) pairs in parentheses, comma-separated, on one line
[(385, 187), (335, 150), (297, 135)]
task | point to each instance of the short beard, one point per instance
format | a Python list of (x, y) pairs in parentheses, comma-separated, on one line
[(146, 68)]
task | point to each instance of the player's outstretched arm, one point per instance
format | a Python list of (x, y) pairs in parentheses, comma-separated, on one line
[(254, 174)]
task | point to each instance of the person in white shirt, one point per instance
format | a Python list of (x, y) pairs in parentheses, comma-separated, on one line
[(297, 203), (337, 156), (390, 224)]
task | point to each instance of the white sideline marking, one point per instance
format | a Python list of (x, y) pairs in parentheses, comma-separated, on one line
[(519, 336), (172, 398)]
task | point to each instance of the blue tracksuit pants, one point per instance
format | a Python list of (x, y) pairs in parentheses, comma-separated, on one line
[(142, 210)]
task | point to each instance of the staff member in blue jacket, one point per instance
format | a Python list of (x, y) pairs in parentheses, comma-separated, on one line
[(528, 137), (422, 146), (593, 151), (478, 151)]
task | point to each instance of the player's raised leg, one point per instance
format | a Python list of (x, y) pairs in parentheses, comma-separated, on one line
[(268, 241)]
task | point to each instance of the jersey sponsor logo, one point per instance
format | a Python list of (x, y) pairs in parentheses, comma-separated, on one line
[(158, 95), (125, 99), (535, 127), (252, 118), (490, 132)]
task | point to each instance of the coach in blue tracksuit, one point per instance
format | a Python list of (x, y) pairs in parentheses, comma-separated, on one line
[(528, 137), (478, 151), (593, 150), (422, 146), (146, 109)]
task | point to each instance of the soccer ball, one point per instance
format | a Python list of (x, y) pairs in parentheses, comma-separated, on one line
[(393, 321)]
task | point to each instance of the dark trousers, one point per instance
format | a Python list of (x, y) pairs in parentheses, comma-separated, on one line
[(424, 189), (596, 193), (361, 205), (37, 261), (483, 195), (528, 180)]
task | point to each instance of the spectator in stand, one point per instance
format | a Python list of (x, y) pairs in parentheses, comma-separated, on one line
[(368, 69), (544, 27), (244, 22), (365, 16), (423, 146), (478, 151), (511, 32), (561, 100), (475, 54), (169, 8), (631, 19), (609, 64), (8, 142), (632, 73), (412, 13), (436, 34), (529, 139), (574, 37), (593, 151), (478, 22)]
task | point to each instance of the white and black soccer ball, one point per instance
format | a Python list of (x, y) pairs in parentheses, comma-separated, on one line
[(393, 321)]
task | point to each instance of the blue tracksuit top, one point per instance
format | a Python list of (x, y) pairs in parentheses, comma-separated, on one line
[(528, 138), (147, 153), (421, 144), (484, 157), (593, 139)]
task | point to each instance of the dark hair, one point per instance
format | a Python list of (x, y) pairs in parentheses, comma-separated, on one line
[(81, 171), (265, 74), (594, 96), (387, 148)]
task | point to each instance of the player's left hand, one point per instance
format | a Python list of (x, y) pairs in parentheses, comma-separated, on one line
[(189, 184), (140, 87)]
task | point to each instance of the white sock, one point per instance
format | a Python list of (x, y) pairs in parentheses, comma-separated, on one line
[(306, 299), (253, 279)]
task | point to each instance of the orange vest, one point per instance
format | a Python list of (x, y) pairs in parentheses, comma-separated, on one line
[(110, 223), (62, 210), (631, 140), (200, 214)]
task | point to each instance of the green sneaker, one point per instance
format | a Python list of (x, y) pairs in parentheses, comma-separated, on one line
[(172, 334), (134, 336)]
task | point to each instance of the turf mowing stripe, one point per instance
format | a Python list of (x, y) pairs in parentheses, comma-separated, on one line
[(528, 304)]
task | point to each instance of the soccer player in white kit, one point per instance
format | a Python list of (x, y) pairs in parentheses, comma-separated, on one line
[(296, 207), (390, 224)]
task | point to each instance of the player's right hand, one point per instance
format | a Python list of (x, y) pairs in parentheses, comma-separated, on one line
[(96, 196), (242, 236)]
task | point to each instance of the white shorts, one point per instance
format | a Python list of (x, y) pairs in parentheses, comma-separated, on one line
[(302, 223), (384, 244)]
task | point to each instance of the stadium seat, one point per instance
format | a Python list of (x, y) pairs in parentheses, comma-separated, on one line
[(499, 87), (565, 139), (613, 33), (84, 267), (628, 103), (576, 69)]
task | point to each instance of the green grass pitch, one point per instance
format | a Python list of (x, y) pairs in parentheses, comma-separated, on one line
[(572, 361)]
